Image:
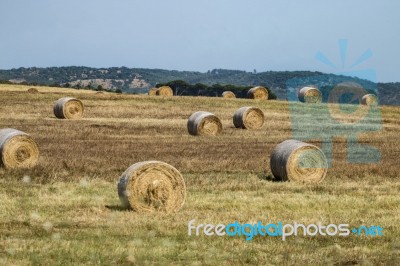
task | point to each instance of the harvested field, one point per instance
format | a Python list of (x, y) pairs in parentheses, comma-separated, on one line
[(66, 210)]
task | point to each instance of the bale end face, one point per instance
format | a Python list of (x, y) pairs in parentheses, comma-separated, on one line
[(310, 95), (17, 149), (298, 161), (369, 99), (204, 123), (259, 93), (228, 95), (248, 118), (152, 92), (152, 186), (68, 108), (165, 91)]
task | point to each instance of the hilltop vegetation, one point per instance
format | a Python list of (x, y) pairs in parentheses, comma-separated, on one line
[(183, 88), (139, 80)]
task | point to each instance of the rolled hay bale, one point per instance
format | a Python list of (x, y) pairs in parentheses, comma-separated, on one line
[(369, 99), (17, 149), (153, 92), (310, 95), (298, 161), (33, 90), (204, 123), (248, 118), (228, 94), (165, 91), (68, 108), (152, 186), (259, 93)]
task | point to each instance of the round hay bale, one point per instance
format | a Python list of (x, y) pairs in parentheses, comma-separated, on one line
[(33, 90), (248, 118), (228, 94), (153, 92), (310, 95), (343, 94), (165, 91), (298, 161), (152, 186), (369, 99), (204, 123), (17, 149), (259, 93), (68, 108)]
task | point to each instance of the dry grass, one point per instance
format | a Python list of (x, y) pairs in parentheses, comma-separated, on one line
[(66, 210)]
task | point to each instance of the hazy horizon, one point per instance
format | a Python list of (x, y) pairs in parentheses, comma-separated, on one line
[(201, 36)]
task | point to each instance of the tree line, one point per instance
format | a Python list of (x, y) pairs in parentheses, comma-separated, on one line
[(181, 87)]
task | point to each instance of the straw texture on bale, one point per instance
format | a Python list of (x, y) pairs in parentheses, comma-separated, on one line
[(310, 95), (17, 149), (258, 92), (228, 94), (32, 90), (68, 108), (248, 118), (369, 99), (153, 92), (152, 186), (165, 91), (204, 123), (298, 161)]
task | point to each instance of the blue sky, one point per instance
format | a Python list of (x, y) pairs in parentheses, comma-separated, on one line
[(201, 35)]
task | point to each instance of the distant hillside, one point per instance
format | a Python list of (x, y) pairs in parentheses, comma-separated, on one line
[(138, 80), (389, 93)]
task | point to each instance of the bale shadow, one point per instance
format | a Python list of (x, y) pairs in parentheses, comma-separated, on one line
[(269, 178), (119, 208)]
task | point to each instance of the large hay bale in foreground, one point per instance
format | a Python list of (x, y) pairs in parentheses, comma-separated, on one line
[(17, 149), (259, 93), (298, 161), (310, 95), (152, 186), (152, 92), (204, 123), (33, 90), (165, 91), (68, 108), (228, 94), (369, 99), (248, 118)]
